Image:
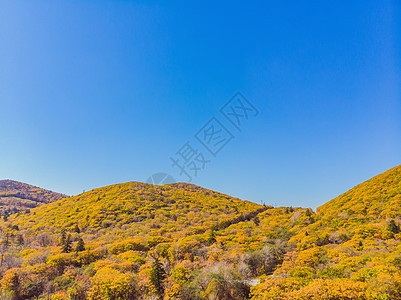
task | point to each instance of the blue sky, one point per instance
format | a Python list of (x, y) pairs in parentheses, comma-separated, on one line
[(100, 92)]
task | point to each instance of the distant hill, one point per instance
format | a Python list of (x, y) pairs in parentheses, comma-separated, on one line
[(17, 196)]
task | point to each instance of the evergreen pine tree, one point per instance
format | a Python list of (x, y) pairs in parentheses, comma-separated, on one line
[(80, 245), (157, 276), (63, 237), (76, 229), (66, 247)]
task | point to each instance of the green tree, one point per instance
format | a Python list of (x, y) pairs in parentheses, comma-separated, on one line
[(80, 245), (76, 229), (157, 277), (66, 247)]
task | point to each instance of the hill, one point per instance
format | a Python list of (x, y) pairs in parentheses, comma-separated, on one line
[(175, 209), (17, 196), (123, 227), (350, 249), (379, 196), (181, 241)]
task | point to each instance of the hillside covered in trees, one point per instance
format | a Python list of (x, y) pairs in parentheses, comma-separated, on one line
[(181, 241), (17, 196)]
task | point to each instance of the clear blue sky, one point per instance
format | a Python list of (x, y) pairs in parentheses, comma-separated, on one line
[(100, 92)]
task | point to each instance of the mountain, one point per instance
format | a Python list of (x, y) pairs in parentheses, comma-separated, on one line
[(16, 196), (124, 224), (180, 241), (174, 209), (379, 196), (349, 249)]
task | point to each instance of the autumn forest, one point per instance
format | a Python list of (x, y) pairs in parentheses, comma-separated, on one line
[(182, 241)]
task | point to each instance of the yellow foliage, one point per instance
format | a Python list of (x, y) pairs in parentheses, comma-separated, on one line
[(110, 284)]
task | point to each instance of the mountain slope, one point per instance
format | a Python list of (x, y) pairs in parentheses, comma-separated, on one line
[(350, 249), (16, 196), (114, 242), (379, 196), (123, 227), (169, 209)]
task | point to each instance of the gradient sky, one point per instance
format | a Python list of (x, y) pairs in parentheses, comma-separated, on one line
[(100, 92)]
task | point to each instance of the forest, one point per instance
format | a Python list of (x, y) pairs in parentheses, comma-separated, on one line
[(181, 241), (17, 196)]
